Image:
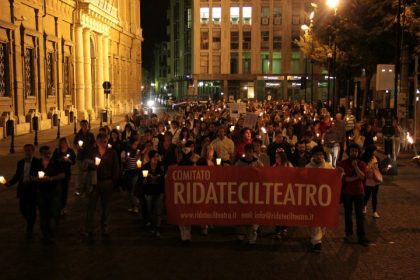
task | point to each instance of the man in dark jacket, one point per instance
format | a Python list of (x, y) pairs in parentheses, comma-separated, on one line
[(26, 191), (300, 158), (84, 141)]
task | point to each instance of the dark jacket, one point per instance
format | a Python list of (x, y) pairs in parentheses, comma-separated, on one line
[(19, 174), (58, 157), (154, 183), (88, 144)]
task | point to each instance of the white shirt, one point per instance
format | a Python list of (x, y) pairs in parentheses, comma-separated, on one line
[(223, 148), (27, 171)]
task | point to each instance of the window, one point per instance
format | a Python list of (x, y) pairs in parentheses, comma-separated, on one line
[(204, 63), (204, 15), (216, 39), (265, 63), (246, 63), (204, 39), (295, 20), (50, 74), (246, 40), (295, 62), (277, 39), (295, 39), (4, 70), (234, 40), (265, 15), (217, 15), (247, 15), (29, 72), (265, 40), (233, 63), (277, 15), (66, 76), (276, 63), (189, 18), (234, 15), (216, 64)]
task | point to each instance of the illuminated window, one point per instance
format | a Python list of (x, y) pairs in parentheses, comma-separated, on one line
[(247, 15), (295, 62), (246, 63), (204, 14), (50, 74), (29, 72), (66, 76), (217, 15), (4, 70), (276, 62), (265, 63), (277, 15), (234, 15)]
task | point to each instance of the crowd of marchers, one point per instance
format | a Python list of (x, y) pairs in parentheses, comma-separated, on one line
[(135, 157)]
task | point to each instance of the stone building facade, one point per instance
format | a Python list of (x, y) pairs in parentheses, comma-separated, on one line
[(55, 55)]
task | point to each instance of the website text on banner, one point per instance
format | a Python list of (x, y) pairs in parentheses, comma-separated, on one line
[(233, 195)]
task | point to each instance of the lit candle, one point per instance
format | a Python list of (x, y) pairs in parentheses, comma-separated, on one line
[(263, 130), (68, 156), (109, 146), (41, 174), (375, 138), (232, 128), (317, 135), (169, 122), (118, 127), (97, 161), (331, 119), (145, 173), (139, 163), (201, 119), (389, 166), (80, 142), (261, 114), (218, 161), (128, 154), (2, 180)]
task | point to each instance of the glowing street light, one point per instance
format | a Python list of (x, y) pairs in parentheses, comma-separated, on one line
[(333, 4)]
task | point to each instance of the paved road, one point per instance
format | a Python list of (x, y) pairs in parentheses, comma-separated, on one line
[(131, 252)]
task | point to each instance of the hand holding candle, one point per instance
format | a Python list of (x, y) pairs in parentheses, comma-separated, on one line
[(41, 174), (145, 173), (139, 163), (97, 161), (218, 161), (80, 142), (2, 180)]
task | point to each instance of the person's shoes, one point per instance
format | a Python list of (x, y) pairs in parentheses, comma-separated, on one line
[(376, 215), (364, 210), (316, 248), (364, 242)]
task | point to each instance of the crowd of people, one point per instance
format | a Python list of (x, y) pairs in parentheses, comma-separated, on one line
[(135, 158)]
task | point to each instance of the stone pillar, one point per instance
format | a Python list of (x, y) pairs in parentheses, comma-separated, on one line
[(100, 73), (105, 56), (80, 71), (88, 70)]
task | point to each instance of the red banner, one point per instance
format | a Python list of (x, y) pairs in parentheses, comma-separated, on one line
[(233, 195)]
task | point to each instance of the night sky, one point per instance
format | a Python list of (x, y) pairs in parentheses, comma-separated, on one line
[(153, 23)]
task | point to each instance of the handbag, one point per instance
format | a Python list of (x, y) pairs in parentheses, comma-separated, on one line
[(377, 175)]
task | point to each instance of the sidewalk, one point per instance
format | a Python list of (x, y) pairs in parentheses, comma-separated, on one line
[(48, 137)]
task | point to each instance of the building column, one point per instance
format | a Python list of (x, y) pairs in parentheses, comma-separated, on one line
[(80, 71), (100, 73), (105, 57), (88, 70)]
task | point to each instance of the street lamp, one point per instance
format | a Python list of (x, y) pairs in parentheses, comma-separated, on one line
[(333, 4)]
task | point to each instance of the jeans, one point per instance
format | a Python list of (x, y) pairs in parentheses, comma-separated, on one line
[(131, 181), (102, 191), (154, 209), (27, 206), (396, 147), (358, 201), (374, 192), (333, 154)]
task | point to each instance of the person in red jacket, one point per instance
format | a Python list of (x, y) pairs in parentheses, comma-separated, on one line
[(354, 174)]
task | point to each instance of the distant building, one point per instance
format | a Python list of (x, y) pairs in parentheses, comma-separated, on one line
[(55, 55), (244, 48), (161, 69)]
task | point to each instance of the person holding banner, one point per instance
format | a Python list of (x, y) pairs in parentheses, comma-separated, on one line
[(250, 232), (318, 161), (353, 193), (223, 146)]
